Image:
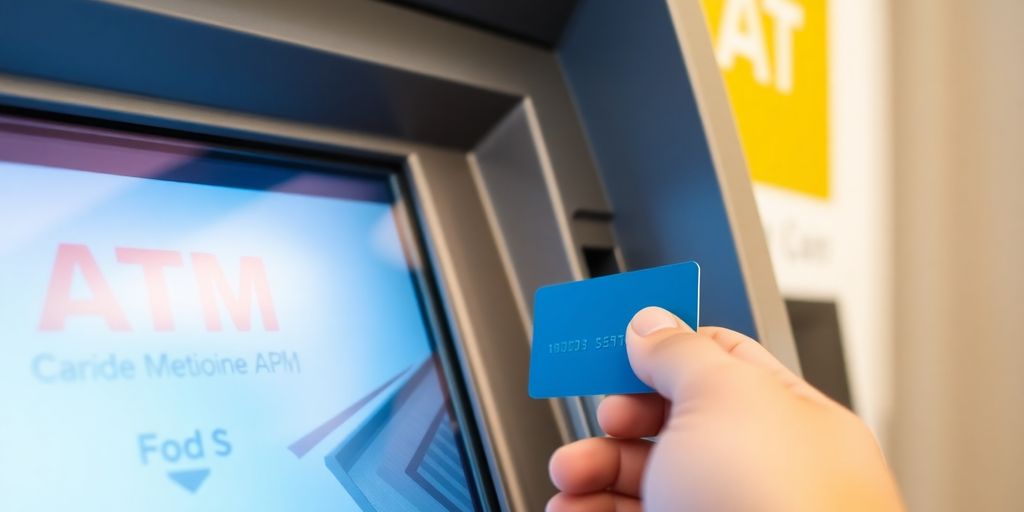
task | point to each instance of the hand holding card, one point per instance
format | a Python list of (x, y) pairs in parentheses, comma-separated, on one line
[(579, 328)]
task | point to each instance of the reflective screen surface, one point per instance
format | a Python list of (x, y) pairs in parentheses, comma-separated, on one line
[(189, 328)]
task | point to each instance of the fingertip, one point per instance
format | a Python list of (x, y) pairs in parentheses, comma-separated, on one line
[(611, 413), (556, 504), (568, 465), (595, 502), (652, 319), (632, 416), (584, 466), (556, 467)]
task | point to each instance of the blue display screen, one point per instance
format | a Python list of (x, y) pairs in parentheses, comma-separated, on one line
[(186, 328)]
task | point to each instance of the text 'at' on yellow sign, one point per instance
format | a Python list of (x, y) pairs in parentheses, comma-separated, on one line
[(773, 56)]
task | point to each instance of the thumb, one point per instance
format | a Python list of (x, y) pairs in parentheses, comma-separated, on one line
[(669, 356)]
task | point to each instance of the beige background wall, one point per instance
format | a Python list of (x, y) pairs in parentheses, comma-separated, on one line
[(958, 107)]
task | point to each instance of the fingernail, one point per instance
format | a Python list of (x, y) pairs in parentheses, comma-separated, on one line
[(652, 319)]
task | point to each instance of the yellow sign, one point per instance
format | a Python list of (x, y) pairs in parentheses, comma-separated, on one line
[(773, 56)]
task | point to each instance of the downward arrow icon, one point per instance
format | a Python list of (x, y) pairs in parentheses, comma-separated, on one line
[(190, 479)]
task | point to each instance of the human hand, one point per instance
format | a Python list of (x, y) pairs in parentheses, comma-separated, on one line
[(737, 431)]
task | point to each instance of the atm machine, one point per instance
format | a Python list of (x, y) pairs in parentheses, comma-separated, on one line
[(268, 255)]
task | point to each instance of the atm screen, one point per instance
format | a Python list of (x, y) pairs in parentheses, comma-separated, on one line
[(187, 327)]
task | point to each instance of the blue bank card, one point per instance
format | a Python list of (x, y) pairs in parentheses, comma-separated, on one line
[(579, 328)]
